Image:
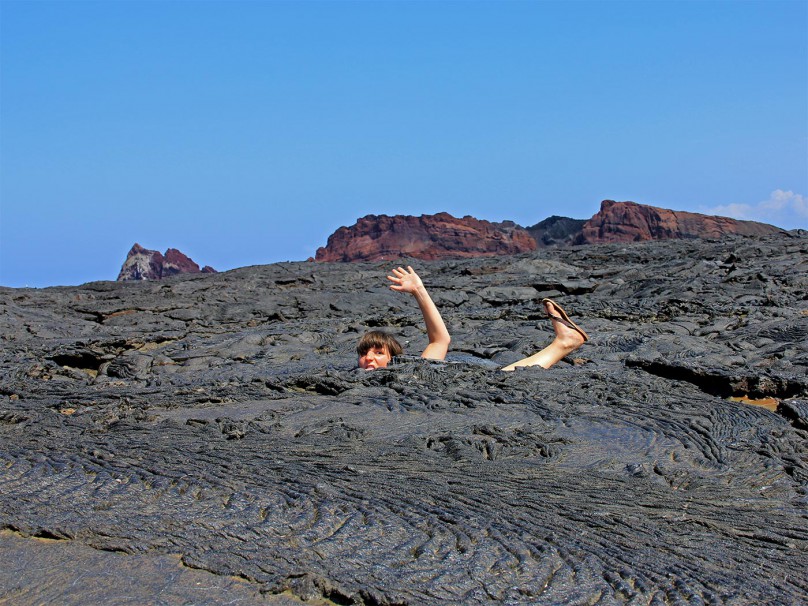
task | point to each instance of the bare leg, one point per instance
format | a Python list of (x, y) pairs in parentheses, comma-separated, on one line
[(567, 339)]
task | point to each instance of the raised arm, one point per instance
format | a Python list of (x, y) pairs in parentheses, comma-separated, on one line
[(439, 339)]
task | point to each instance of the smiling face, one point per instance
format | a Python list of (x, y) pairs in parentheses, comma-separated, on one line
[(375, 357)]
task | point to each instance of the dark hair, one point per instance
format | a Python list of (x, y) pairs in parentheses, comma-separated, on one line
[(377, 338)]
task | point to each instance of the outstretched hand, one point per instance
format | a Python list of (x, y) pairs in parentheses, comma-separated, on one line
[(405, 280)]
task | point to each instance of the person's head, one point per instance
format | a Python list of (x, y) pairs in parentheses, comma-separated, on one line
[(376, 349)]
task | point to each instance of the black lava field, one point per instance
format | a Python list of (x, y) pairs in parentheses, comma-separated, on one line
[(209, 439)]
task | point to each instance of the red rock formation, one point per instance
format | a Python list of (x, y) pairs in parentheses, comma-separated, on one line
[(144, 264), (428, 237), (174, 262), (632, 222)]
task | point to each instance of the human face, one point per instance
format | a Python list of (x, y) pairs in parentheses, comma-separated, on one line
[(376, 357)]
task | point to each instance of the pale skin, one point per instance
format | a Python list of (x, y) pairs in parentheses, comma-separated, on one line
[(376, 357), (566, 341), (439, 339), (568, 337)]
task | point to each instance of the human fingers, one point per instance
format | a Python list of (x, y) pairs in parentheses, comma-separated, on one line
[(397, 284)]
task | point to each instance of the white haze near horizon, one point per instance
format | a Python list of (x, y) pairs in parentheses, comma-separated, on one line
[(785, 209)]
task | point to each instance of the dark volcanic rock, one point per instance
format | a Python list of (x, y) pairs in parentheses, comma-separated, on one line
[(38, 571), (632, 222), (556, 231), (221, 419), (428, 237), (144, 264)]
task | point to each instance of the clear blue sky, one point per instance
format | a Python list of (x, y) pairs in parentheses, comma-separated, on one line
[(245, 133)]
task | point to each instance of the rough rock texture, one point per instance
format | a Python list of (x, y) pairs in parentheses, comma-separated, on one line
[(428, 237), (632, 222), (37, 572), (144, 264), (442, 236), (556, 231), (221, 419)]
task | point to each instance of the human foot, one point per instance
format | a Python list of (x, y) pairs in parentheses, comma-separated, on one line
[(568, 334), (569, 337)]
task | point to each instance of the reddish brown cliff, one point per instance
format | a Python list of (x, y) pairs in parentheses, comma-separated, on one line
[(144, 264), (632, 222), (428, 237)]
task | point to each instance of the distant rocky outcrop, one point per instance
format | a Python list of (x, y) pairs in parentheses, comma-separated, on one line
[(144, 264), (428, 237), (442, 236), (632, 222), (556, 231)]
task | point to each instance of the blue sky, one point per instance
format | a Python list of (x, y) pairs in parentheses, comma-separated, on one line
[(245, 133)]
